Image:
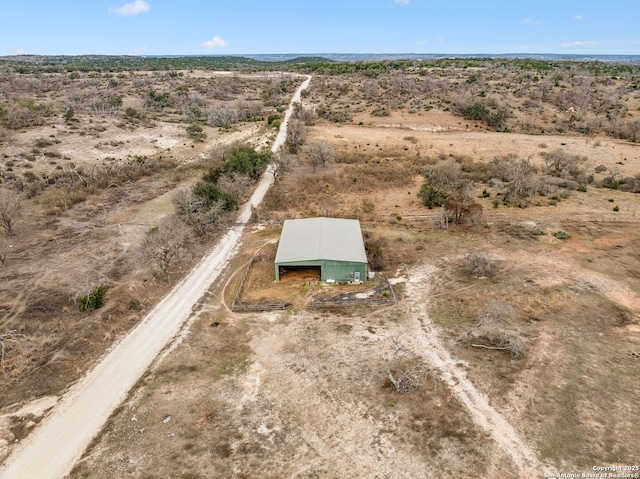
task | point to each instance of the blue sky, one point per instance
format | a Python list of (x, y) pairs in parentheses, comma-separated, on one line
[(192, 27)]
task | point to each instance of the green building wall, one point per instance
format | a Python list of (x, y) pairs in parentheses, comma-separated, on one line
[(337, 270)]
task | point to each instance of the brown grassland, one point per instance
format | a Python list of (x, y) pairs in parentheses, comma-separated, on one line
[(549, 332)]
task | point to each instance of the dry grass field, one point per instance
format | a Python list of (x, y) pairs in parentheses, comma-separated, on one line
[(536, 298)]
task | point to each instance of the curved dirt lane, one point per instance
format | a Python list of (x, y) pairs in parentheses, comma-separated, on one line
[(482, 413), (52, 449)]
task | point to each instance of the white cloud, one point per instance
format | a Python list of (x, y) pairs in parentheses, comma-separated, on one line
[(18, 51), (422, 42), (529, 21), (215, 42), (526, 47), (577, 44), (129, 9), (578, 17), (402, 2), (141, 49)]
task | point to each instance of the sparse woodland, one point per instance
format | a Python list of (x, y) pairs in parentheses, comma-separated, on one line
[(515, 181)]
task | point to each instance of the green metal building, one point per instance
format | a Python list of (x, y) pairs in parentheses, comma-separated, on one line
[(333, 245)]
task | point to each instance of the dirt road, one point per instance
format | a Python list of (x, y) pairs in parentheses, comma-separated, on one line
[(427, 337), (53, 448)]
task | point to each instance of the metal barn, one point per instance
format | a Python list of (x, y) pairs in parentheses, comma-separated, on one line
[(333, 245)]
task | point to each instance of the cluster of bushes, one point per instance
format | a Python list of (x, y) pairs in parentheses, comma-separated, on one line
[(61, 189), (24, 114), (208, 205), (615, 181), (478, 111), (158, 100), (336, 116), (533, 97), (138, 99), (305, 115)]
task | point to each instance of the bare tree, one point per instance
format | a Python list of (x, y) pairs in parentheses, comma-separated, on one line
[(164, 244), (4, 249), (404, 376), (460, 203), (496, 330), (8, 340), (296, 136), (222, 117), (370, 88), (634, 130), (399, 83), (306, 115), (248, 109), (319, 153), (236, 184), (614, 173), (443, 220), (203, 217), (520, 180), (10, 209), (443, 177), (479, 264), (557, 161), (281, 164)]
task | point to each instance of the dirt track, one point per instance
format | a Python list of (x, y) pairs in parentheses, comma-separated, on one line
[(502, 432), (54, 447)]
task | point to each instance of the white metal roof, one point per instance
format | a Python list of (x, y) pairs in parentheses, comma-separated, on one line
[(321, 239)]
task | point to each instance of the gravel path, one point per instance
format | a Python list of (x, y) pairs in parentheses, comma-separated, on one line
[(51, 451)]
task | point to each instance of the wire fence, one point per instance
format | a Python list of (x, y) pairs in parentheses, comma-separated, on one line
[(239, 306), (341, 302)]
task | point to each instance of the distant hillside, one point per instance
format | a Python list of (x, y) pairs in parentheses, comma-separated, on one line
[(25, 63), (330, 63)]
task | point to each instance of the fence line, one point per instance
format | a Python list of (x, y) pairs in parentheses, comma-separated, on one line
[(247, 307), (238, 306), (239, 290), (336, 303)]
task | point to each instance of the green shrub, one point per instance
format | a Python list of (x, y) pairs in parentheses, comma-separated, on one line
[(94, 300), (563, 235), (159, 100), (245, 160), (196, 132), (616, 208), (211, 193), (333, 115), (431, 196), (477, 111), (380, 111), (131, 113)]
